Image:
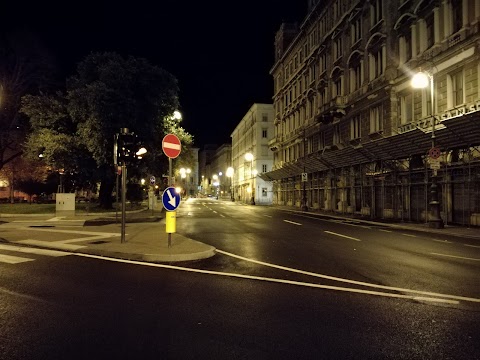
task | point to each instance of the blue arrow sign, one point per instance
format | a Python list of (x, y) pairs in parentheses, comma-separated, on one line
[(170, 199)]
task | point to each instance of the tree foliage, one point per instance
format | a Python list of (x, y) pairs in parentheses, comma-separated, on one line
[(25, 67), (75, 130)]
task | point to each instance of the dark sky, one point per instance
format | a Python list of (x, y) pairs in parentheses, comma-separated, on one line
[(220, 51)]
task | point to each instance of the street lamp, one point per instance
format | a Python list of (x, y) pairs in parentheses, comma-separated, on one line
[(250, 157), (421, 80), (229, 174)]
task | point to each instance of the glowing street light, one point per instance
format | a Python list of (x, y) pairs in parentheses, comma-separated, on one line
[(421, 80)]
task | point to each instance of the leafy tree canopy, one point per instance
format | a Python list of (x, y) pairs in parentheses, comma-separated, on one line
[(107, 93)]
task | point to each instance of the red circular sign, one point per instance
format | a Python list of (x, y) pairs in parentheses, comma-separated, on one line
[(434, 152), (171, 146)]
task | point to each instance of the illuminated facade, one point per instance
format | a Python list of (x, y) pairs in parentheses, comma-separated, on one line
[(349, 121), (252, 136)]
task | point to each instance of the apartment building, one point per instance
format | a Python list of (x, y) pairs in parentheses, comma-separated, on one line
[(351, 134), (251, 156)]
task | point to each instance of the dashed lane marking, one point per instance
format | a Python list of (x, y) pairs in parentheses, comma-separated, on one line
[(292, 222), (474, 246), (344, 236), (456, 257)]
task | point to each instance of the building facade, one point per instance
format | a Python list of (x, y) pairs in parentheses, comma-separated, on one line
[(251, 156), (353, 136)]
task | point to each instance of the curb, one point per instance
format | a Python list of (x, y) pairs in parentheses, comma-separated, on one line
[(397, 226)]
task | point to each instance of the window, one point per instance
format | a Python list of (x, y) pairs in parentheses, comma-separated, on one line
[(313, 74), (376, 65), (264, 168), (356, 77), (406, 109), (264, 192), (323, 62), (405, 47), (355, 132), (457, 15), (430, 31), (356, 29), (264, 133), (376, 119), (375, 12), (264, 117), (321, 140), (337, 48), (336, 134), (337, 86), (456, 80)]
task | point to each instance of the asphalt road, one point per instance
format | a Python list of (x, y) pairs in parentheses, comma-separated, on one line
[(282, 286)]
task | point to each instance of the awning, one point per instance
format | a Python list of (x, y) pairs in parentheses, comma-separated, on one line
[(458, 132)]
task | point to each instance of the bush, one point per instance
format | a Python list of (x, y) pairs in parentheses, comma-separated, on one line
[(134, 193)]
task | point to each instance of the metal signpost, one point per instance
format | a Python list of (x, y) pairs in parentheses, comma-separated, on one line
[(170, 200), (171, 147)]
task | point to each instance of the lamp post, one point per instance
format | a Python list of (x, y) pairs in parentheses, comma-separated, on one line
[(421, 80), (229, 174), (250, 157)]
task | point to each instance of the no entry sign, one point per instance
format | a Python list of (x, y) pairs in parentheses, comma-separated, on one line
[(171, 146)]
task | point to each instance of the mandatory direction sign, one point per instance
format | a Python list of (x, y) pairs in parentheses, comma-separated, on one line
[(170, 199), (171, 146)]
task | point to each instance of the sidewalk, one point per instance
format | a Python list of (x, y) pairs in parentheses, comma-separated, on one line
[(145, 236)]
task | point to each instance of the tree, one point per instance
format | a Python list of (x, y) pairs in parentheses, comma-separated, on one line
[(107, 93), (25, 67)]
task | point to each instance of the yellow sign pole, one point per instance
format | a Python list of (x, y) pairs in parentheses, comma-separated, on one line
[(171, 225)]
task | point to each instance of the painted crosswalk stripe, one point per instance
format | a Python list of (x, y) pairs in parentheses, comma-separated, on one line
[(9, 259), (36, 251)]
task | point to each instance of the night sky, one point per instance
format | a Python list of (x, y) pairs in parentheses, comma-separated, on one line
[(220, 51)]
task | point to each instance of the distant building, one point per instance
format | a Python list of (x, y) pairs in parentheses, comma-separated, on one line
[(251, 136), (351, 134)]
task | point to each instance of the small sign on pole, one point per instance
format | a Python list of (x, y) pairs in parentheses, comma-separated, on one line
[(304, 177)]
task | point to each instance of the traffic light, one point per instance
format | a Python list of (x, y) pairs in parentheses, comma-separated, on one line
[(127, 146)]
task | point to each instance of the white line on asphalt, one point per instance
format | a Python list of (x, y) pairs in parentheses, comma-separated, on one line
[(361, 283), (282, 281), (29, 250), (442, 241), (292, 222), (214, 211), (345, 236), (475, 246), (410, 235), (222, 215), (269, 216), (456, 257), (385, 230), (9, 259)]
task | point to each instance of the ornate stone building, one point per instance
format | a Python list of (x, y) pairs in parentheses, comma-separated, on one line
[(351, 133)]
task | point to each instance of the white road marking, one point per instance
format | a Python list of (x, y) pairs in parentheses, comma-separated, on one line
[(345, 236), (475, 246), (361, 283), (410, 235), (456, 257), (214, 211), (269, 216), (274, 280), (51, 244), (9, 259), (29, 250), (292, 222), (222, 215), (442, 241), (389, 231)]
